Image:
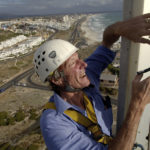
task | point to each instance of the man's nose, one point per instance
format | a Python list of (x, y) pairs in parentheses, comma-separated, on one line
[(83, 64)]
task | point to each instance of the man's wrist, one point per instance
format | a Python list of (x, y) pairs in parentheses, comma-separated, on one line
[(111, 35)]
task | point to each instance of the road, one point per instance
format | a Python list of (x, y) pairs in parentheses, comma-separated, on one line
[(75, 34), (15, 80)]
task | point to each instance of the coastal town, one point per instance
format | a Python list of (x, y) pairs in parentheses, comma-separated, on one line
[(22, 94), (32, 32)]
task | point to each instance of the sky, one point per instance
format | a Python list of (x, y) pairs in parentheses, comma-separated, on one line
[(41, 7)]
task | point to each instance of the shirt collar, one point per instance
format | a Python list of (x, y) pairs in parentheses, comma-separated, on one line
[(61, 105)]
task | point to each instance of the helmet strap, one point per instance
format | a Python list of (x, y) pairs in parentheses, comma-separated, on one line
[(69, 88)]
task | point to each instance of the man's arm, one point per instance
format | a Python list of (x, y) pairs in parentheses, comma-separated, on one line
[(133, 29), (140, 97)]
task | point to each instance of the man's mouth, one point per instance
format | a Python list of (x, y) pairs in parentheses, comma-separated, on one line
[(83, 74)]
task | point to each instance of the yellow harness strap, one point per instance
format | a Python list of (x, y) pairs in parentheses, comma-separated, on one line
[(96, 130), (90, 110), (89, 123), (50, 105)]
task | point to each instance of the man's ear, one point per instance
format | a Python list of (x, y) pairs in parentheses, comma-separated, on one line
[(58, 82)]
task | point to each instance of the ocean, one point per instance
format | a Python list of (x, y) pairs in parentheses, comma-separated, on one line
[(96, 23)]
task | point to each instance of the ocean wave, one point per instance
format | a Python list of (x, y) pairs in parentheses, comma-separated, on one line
[(96, 23)]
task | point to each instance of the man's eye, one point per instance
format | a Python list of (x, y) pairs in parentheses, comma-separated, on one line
[(72, 63)]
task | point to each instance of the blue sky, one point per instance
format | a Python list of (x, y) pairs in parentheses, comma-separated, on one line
[(57, 6)]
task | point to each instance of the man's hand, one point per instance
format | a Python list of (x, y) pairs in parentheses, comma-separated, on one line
[(133, 29), (125, 138), (141, 91)]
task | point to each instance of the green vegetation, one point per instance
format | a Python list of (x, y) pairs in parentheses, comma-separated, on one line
[(3, 118), (33, 33), (18, 148), (19, 116), (10, 121), (4, 35), (113, 70), (4, 146), (109, 91), (33, 114), (11, 147), (32, 147), (6, 119), (20, 63), (7, 146), (14, 68)]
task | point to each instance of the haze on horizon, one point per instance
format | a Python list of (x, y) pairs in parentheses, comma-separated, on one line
[(41, 7)]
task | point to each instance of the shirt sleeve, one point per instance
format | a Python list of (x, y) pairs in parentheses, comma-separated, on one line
[(98, 61), (62, 134)]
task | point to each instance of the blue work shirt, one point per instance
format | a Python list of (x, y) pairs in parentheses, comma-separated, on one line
[(60, 132)]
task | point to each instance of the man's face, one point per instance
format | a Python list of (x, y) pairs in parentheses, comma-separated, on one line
[(74, 70)]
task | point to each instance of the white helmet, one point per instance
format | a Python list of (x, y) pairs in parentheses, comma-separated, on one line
[(51, 55)]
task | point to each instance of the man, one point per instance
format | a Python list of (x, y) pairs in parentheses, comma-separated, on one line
[(76, 86)]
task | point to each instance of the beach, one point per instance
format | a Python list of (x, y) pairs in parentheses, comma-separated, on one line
[(88, 33), (95, 24)]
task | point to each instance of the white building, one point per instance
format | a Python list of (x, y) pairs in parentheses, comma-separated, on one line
[(22, 48), (12, 41)]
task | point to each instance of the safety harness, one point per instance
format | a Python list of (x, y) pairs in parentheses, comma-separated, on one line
[(90, 122)]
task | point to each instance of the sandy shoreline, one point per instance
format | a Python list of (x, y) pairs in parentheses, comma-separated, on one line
[(91, 36), (88, 33)]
